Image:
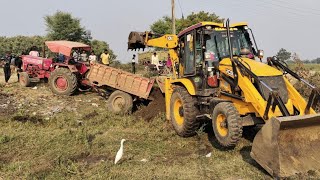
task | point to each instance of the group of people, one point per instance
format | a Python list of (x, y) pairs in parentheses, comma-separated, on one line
[(92, 58), (11, 63), (160, 64)]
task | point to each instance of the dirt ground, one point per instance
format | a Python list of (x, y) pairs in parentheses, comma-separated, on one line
[(153, 108), (44, 136)]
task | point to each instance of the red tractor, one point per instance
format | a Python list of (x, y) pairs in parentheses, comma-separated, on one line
[(64, 76)]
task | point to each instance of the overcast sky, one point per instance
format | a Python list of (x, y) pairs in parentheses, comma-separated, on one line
[(291, 24)]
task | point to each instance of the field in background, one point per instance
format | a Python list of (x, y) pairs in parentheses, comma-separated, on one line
[(311, 67), (44, 136)]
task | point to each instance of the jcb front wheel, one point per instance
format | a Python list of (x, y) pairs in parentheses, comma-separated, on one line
[(226, 124), (183, 113)]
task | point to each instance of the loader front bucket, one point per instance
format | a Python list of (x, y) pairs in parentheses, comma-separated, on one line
[(136, 40), (288, 145)]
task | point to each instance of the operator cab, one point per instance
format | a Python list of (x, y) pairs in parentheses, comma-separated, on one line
[(204, 45)]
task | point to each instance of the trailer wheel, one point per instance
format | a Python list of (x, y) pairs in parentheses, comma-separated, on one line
[(226, 124), (24, 79), (120, 102), (63, 82), (183, 112)]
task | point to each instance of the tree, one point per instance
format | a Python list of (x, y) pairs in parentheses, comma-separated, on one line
[(20, 44), (164, 25), (283, 55), (63, 26), (99, 46)]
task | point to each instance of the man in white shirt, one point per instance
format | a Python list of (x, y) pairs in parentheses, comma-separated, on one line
[(34, 52), (92, 58), (155, 60)]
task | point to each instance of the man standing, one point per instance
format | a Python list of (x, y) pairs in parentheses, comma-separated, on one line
[(75, 55), (133, 61), (34, 51), (6, 68), (18, 64), (84, 56), (92, 58), (105, 57), (155, 60)]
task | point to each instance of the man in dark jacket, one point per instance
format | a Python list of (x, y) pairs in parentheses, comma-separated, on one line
[(6, 68), (18, 65)]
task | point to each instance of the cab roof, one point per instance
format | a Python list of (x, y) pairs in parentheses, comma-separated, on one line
[(205, 23)]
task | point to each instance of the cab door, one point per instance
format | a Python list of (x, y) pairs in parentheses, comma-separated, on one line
[(189, 50)]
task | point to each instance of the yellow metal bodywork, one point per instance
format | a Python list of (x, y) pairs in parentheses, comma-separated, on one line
[(285, 145), (252, 101), (168, 41)]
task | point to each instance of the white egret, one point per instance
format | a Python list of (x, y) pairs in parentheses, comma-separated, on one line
[(120, 152)]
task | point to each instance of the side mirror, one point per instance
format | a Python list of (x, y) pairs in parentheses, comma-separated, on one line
[(260, 54)]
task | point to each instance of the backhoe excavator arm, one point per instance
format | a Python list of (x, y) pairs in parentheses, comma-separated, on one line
[(139, 40)]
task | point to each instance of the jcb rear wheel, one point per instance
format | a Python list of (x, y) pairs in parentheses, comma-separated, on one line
[(226, 124), (183, 113)]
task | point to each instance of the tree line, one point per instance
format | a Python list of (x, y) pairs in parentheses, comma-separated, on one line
[(289, 57), (60, 26)]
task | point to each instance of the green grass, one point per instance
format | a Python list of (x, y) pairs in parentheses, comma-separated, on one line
[(80, 142)]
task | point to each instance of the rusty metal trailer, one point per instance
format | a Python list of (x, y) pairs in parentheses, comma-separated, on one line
[(121, 86)]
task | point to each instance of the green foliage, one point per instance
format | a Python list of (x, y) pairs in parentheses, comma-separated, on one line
[(163, 26), (20, 44), (99, 46), (283, 55), (63, 26), (317, 60)]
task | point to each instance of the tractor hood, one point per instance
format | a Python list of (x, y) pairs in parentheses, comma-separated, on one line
[(258, 68)]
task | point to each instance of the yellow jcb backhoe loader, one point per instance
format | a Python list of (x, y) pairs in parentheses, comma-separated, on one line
[(216, 77)]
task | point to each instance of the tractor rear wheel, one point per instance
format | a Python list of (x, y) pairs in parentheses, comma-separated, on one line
[(24, 79), (183, 112), (120, 102), (226, 124), (63, 82)]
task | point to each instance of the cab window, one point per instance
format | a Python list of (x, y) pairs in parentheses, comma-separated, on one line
[(189, 54)]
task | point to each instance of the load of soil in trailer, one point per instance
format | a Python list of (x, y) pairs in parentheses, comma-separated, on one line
[(153, 108)]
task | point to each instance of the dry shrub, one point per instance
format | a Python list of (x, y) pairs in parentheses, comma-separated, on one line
[(313, 79)]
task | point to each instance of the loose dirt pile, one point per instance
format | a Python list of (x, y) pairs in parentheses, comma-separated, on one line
[(153, 108)]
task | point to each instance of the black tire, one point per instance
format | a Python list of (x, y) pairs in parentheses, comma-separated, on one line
[(226, 124), (183, 112), (68, 82), (120, 102), (24, 79)]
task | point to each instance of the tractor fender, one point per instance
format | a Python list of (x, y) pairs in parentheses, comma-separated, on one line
[(72, 68), (187, 83)]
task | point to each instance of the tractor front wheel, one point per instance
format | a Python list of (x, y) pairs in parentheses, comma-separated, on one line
[(63, 82), (120, 102), (226, 124), (183, 112), (24, 79)]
